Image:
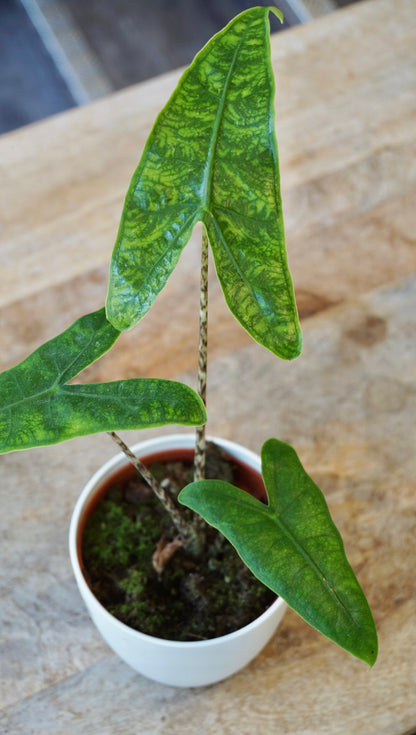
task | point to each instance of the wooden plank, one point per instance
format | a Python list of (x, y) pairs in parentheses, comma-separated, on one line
[(353, 425), (347, 161)]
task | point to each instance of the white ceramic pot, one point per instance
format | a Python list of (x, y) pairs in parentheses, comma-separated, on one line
[(184, 664)]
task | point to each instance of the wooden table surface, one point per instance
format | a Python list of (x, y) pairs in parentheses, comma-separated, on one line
[(346, 127)]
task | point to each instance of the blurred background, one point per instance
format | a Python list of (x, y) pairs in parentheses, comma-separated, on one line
[(57, 54)]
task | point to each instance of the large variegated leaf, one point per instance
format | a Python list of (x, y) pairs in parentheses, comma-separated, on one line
[(293, 546), (38, 407), (212, 156)]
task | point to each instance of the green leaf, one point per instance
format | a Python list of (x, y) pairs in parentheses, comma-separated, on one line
[(292, 546), (37, 407), (212, 156)]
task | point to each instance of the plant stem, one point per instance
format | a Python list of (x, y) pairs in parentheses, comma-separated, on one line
[(200, 445), (190, 532)]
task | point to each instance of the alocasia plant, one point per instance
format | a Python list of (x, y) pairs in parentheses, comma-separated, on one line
[(211, 157)]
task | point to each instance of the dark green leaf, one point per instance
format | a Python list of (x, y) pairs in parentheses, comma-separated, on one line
[(38, 407), (212, 156), (292, 546)]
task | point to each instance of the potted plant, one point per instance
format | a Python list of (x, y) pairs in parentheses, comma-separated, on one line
[(211, 157)]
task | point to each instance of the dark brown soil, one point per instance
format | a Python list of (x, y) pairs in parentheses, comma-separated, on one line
[(191, 599)]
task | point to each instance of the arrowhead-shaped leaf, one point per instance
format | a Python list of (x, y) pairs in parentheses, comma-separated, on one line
[(212, 156), (38, 407), (292, 546)]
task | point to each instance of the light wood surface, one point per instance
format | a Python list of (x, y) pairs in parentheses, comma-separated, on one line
[(346, 125)]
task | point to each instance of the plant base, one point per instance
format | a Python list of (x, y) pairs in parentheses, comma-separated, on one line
[(182, 663)]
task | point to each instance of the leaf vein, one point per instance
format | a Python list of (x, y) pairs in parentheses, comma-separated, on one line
[(315, 568), (209, 167)]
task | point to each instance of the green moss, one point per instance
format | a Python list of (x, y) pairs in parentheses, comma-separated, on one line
[(113, 539)]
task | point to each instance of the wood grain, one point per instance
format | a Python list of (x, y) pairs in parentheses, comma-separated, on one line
[(346, 112), (352, 393), (348, 178)]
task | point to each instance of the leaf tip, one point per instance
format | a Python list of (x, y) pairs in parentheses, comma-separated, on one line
[(294, 348), (277, 12), (372, 652), (118, 318)]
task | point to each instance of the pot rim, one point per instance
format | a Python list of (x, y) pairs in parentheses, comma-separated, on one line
[(110, 467)]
